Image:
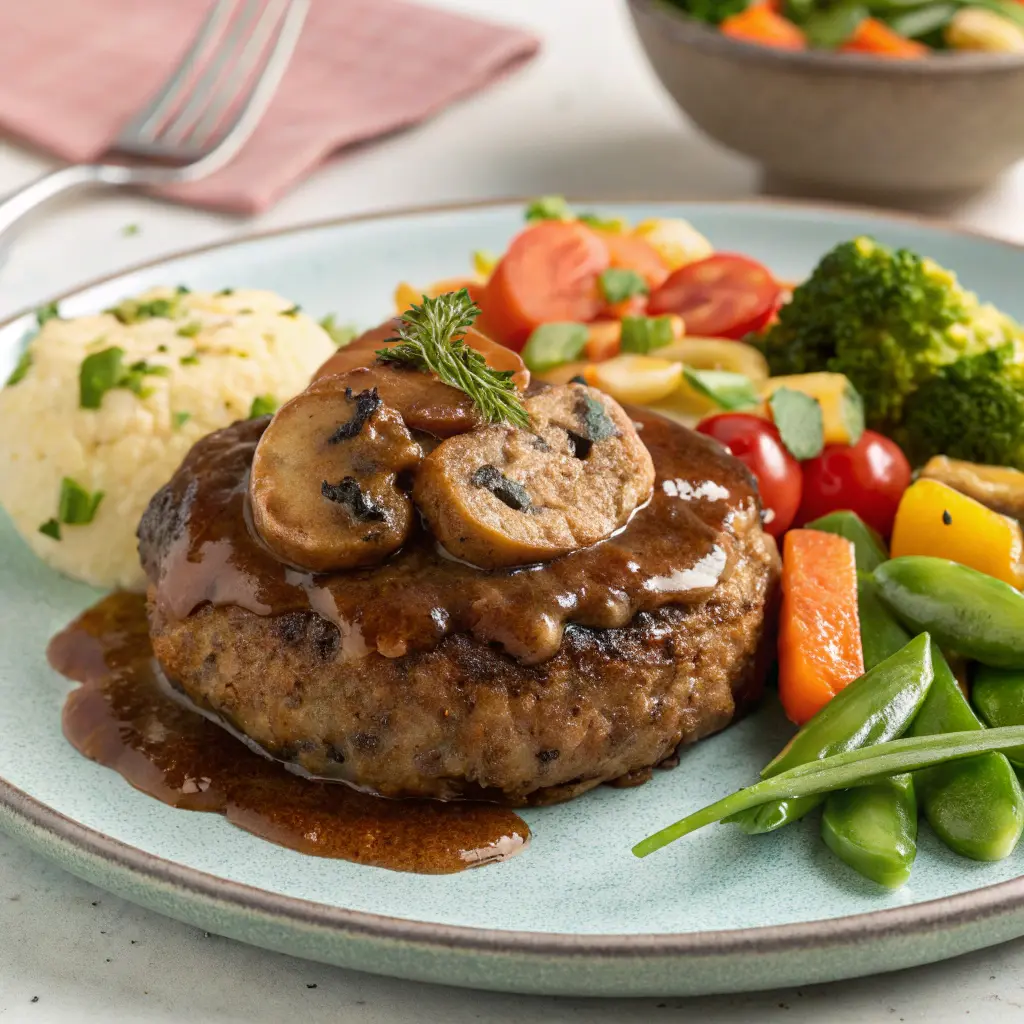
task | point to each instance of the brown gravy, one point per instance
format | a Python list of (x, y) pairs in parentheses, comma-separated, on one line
[(198, 547), (123, 717)]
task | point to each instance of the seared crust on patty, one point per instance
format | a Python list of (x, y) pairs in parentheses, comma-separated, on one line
[(466, 720)]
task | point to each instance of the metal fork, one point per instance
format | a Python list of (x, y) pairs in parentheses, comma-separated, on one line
[(202, 116)]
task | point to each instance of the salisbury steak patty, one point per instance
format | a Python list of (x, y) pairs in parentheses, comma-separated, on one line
[(426, 677)]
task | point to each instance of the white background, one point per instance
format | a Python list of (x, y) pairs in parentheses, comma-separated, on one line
[(586, 118)]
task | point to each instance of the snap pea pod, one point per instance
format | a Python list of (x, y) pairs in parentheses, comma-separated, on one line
[(976, 807), (998, 696), (963, 609), (876, 707), (873, 828), (868, 547), (842, 771)]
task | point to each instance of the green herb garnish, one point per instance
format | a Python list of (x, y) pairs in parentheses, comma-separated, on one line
[(340, 334), (226, 291), (192, 360), (432, 337), (180, 419), (643, 334), (727, 390), (51, 528), (618, 284), (183, 289), (553, 344), (77, 506), (616, 225), (548, 208), (20, 369), (189, 330), (293, 311), (51, 311), (132, 311), (262, 405), (130, 229), (103, 371), (799, 421)]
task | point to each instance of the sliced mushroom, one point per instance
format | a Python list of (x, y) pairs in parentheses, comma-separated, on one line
[(999, 487), (425, 402), (325, 488), (503, 496)]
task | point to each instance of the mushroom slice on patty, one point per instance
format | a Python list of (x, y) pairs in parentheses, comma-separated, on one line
[(324, 489), (502, 496)]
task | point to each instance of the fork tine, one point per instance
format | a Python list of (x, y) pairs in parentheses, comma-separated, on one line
[(231, 88), (235, 134), (143, 126), (237, 33)]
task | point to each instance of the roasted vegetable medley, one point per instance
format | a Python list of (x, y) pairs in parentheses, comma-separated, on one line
[(895, 29)]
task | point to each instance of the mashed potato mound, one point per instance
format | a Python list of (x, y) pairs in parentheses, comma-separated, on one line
[(192, 363)]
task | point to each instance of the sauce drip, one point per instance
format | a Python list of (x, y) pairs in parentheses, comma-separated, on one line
[(123, 717)]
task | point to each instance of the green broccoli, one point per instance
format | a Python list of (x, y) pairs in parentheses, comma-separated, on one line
[(972, 409), (886, 318)]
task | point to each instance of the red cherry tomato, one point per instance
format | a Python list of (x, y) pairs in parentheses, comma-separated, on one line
[(723, 296), (756, 443), (868, 478)]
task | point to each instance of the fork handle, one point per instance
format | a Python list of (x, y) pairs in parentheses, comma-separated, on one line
[(24, 200)]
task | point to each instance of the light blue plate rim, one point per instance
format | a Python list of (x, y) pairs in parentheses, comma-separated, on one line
[(103, 859)]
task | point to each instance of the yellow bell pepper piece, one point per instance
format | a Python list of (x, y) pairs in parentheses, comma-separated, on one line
[(635, 380), (842, 411), (677, 241), (935, 520), (406, 295)]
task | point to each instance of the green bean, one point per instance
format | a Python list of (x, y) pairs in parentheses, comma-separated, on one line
[(881, 635), (877, 706), (841, 771), (873, 828), (963, 609), (975, 807), (998, 696)]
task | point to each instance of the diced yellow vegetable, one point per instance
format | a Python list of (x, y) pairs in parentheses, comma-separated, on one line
[(484, 263), (637, 380), (677, 241), (564, 373), (935, 520), (686, 406), (717, 354), (406, 295), (841, 408), (975, 28)]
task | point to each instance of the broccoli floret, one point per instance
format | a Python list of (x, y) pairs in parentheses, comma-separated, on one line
[(886, 318), (972, 409)]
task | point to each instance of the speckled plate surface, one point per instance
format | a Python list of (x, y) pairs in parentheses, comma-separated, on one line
[(576, 913)]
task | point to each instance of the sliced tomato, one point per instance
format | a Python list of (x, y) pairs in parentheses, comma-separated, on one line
[(723, 296), (550, 273), (630, 252)]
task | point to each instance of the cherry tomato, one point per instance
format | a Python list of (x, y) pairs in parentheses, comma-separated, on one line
[(868, 478), (756, 443), (723, 296)]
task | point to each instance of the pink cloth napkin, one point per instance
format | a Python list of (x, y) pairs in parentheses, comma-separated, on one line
[(73, 71)]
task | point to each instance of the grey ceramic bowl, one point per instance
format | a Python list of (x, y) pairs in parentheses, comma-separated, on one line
[(843, 124)]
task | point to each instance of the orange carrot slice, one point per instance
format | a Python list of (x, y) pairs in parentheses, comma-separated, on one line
[(874, 36), (630, 252), (550, 273), (760, 23), (819, 628)]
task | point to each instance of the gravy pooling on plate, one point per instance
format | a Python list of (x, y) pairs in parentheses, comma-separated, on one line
[(123, 717)]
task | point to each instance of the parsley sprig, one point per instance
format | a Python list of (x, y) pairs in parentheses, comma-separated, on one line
[(432, 339)]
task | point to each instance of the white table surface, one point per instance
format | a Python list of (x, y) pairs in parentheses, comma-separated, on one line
[(586, 118)]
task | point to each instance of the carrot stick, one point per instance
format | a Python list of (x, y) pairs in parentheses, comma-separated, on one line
[(874, 36), (819, 628), (760, 23)]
